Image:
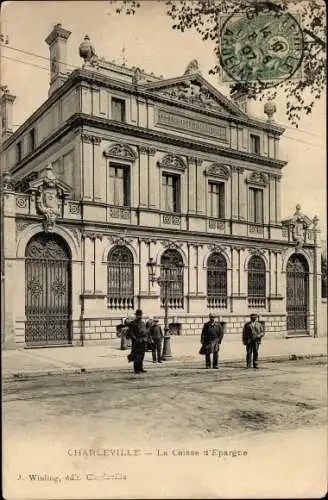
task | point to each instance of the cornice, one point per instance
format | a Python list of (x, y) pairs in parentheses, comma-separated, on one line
[(81, 119)]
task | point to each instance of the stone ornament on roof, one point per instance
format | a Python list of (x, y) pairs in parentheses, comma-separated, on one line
[(192, 67), (88, 53), (192, 93), (299, 225)]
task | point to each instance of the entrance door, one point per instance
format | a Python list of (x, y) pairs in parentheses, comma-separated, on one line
[(47, 292), (297, 294)]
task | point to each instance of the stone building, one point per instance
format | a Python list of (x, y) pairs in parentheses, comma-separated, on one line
[(118, 167)]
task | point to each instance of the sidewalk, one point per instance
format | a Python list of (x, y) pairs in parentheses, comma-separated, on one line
[(43, 361)]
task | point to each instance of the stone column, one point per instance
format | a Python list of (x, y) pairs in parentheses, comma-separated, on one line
[(276, 148), (99, 171), (234, 193), (143, 177), (87, 167), (143, 271), (89, 244), (270, 146), (153, 174), (192, 185), (239, 137), (242, 198), (278, 199), (264, 144), (192, 269), (272, 199), (233, 136), (100, 271), (200, 186)]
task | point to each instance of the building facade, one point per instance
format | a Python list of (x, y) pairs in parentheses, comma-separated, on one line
[(118, 167)]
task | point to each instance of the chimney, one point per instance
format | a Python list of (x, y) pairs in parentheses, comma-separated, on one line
[(57, 41), (6, 105)]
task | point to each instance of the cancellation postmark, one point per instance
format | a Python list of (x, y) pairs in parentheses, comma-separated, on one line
[(261, 46)]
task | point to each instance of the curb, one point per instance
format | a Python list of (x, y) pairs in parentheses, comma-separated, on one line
[(279, 358)]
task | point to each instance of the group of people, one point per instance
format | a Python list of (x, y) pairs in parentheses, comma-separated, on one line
[(212, 336), (143, 335), (148, 335)]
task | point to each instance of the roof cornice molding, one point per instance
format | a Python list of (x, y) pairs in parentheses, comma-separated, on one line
[(159, 136)]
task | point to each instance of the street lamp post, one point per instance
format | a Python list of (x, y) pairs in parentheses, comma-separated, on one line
[(163, 282)]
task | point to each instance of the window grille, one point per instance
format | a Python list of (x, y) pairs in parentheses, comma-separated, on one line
[(120, 278)]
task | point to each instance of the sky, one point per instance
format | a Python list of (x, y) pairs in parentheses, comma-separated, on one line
[(150, 43)]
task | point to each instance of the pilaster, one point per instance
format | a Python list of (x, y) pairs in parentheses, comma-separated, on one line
[(87, 167), (89, 257), (143, 177), (144, 254), (242, 197), (192, 269), (233, 136), (272, 199), (234, 192), (200, 188), (191, 185), (153, 174), (99, 171), (99, 268)]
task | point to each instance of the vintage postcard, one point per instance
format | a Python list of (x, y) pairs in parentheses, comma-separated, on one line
[(163, 249)]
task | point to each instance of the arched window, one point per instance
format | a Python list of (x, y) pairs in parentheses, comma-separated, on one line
[(172, 274), (256, 282), (216, 281), (120, 278)]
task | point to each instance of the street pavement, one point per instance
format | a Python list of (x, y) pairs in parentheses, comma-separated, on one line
[(74, 359)]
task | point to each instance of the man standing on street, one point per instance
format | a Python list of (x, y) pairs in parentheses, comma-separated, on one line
[(252, 335), (211, 339), (138, 334), (156, 336)]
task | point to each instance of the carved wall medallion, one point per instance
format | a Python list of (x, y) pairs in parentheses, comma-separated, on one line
[(21, 202), (49, 194), (257, 251), (74, 208), (91, 139)]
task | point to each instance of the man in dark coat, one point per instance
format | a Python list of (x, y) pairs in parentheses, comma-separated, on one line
[(211, 339), (156, 336), (252, 335), (138, 334)]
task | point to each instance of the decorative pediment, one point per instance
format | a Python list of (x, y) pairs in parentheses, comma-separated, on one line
[(172, 161), (193, 89), (258, 179), (121, 151), (47, 180), (219, 171)]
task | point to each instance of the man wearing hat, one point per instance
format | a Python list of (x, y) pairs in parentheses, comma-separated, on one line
[(211, 338), (252, 335), (156, 335), (138, 334)]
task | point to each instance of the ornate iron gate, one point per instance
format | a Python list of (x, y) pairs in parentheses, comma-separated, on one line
[(297, 294), (48, 291)]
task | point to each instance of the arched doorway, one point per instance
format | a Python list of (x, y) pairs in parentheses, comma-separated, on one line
[(47, 291), (297, 294)]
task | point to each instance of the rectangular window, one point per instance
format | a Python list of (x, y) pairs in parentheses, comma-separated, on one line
[(171, 192), (216, 199), (18, 151), (119, 189), (118, 109), (255, 144), (255, 205), (31, 140)]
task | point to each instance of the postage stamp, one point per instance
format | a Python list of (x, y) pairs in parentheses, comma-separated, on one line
[(261, 46)]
